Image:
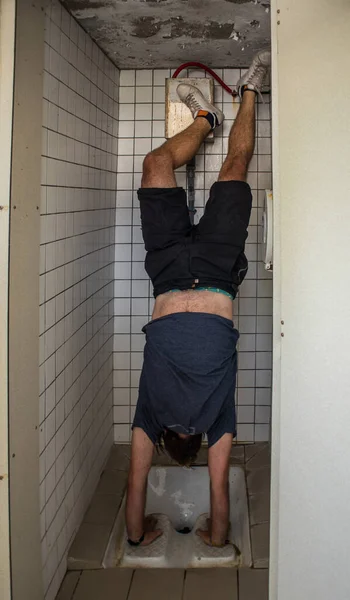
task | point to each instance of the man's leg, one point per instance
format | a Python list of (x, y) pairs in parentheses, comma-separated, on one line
[(159, 165), (241, 141)]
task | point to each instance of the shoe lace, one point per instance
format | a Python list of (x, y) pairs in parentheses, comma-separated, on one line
[(259, 70), (192, 102)]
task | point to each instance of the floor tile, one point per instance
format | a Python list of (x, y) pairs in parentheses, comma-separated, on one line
[(253, 584), (258, 455), (119, 459), (112, 482), (206, 584), (103, 509), (260, 545), (150, 584), (259, 508), (105, 584), (68, 586), (88, 547), (237, 455), (258, 481)]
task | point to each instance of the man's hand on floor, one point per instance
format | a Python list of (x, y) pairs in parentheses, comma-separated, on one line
[(151, 533)]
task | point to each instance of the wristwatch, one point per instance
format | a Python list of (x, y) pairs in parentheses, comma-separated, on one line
[(132, 543)]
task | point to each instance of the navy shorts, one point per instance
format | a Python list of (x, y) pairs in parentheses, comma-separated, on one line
[(185, 256)]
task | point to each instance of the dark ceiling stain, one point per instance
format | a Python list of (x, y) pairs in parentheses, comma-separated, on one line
[(254, 23), (218, 31), (83, 4), (146, 27)]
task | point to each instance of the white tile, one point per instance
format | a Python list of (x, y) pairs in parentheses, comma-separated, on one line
[(247, 342), (231, 77), (158, 129), (127, 77), (265, 288), (143, 146), (121, 378), (138, 271), (263, 378), (143, 94), (126, 129), (123, 233), (264, 342), (123, 216), (121, 342), (264, 360), (126, 112), (140, 289), (245, 433), (143, 129), (159, 111), (247, 306), (121, 306), (262, 414), (245, 396), (138, 252), (143, 77), (124, 181), (122, 252), (136, 360), (122, 288), (246, 378), (137, 342), (159, 94), (264, 146), (121, 433), (121, 414), (125, 164), (135, 378), (126, 95), (262, 433), (126, 147), (245, 414), (160, 75), (230, 109), (265, 163), (263, 129), (124, 198), (246, 360), (122, 270), (139, 306), (264, 306), (263, 396), (248, 289), (143, 112), (134, 394), (121, 397)]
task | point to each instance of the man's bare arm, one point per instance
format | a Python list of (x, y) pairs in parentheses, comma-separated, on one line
[(141, 460), (218, 462)]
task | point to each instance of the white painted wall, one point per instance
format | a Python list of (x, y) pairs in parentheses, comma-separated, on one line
[(310, 544), (7, 45)]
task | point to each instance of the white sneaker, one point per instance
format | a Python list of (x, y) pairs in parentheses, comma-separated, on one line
[(195, 101), (253, 79)]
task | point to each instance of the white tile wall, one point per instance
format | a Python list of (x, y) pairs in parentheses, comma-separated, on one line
[(79, 162), (141, 128)]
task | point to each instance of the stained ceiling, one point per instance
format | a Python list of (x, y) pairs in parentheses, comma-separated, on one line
[(166, 33)]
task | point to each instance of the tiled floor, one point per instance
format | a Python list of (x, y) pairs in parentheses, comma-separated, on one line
[(90, 582)]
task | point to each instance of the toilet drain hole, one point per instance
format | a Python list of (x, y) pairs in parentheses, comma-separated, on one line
[(184, 530)]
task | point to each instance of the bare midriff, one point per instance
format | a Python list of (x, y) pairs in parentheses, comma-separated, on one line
[(197, 301)]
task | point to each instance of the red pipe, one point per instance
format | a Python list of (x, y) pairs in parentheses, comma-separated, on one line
[(208, 70)]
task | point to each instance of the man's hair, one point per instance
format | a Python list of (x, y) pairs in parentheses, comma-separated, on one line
[(183, 450)]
